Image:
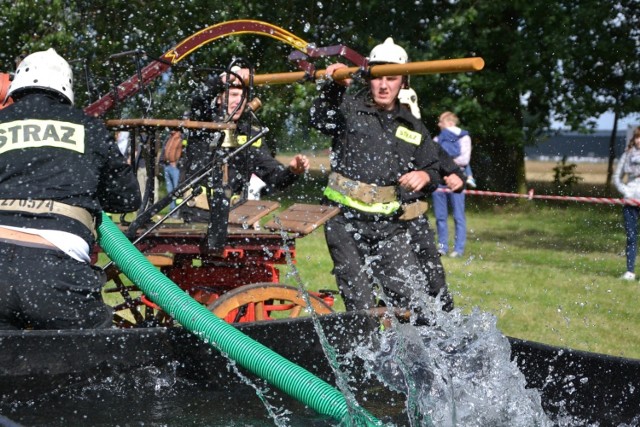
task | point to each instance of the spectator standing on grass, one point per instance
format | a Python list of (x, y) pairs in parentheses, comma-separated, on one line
[(627, 181), (452, 138)]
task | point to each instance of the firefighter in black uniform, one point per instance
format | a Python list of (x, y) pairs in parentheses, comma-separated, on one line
[(59, 169), (422, 236), (383, 162), (202, 147)]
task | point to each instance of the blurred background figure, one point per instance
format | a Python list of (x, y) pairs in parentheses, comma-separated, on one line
[(627, 181), (457, 143), (171, 155), (224, 97), (123, 140)]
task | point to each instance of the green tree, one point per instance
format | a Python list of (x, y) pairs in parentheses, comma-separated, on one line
[(541, 56), (600, 71), (506, 104), (21, 33)]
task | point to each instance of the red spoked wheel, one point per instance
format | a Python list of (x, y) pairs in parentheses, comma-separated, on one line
[(133, 309), (267, 301)]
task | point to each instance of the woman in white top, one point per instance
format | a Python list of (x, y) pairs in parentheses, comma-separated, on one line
[(629, 166)]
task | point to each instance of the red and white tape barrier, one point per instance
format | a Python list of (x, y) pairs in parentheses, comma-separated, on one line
[(530, 196)]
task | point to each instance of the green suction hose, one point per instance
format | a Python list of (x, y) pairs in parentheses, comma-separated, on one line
[(262, 361)]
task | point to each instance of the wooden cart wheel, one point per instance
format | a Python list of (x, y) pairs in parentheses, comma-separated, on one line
[(134, 310), (265, 301)]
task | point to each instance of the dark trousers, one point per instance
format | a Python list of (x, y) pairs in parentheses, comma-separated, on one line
[(441, 202), (630, 215), (370, 253), (424, 245), (47, 289)]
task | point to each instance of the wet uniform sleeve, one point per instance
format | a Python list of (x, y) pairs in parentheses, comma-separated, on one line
[(275, 174), (202, 97), (199, 152), (118, 190), (427, 160)]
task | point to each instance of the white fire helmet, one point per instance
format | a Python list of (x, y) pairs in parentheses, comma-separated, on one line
[(44, 70), (388, 53)]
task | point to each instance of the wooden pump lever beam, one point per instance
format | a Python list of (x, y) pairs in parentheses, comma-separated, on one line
[(171, 123), (459, 65)]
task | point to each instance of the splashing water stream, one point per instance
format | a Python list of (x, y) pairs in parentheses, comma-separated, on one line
[(356, 414), (456, 371)]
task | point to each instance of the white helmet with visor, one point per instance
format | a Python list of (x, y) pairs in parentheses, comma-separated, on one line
[(43, 70), (388, 53)]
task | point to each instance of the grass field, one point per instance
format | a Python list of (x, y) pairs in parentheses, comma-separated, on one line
[(547, 270), (591, 173)]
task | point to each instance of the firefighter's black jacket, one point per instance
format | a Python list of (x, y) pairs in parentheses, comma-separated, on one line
[(52, 150), (202, 148), (371, 145)]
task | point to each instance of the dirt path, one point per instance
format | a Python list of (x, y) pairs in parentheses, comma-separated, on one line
[(591, 173)]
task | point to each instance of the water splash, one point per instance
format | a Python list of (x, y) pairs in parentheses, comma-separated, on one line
[(356, 415), (455, 372), (279, 415)]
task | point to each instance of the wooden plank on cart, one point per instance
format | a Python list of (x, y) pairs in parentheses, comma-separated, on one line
[(302, 218), (251, 211)]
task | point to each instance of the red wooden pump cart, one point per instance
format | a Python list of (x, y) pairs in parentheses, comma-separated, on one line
[(240, 283)]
